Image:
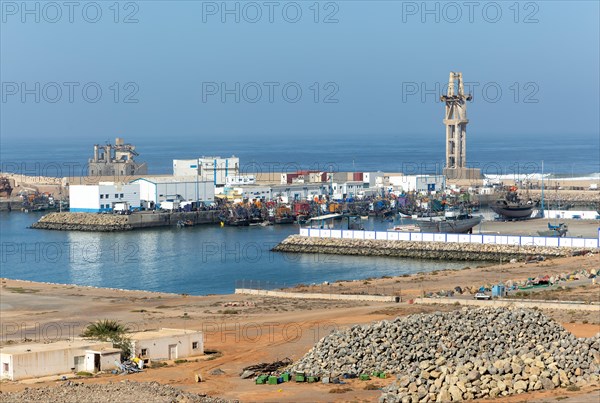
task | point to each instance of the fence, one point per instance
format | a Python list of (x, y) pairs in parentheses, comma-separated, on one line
[(569, 242)]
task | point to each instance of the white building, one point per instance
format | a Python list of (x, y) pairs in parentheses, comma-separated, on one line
[(22, 361), (155, 190), (103, 196), (212, 169), (167, 344), (236, 180), (419, 183), (348, 189)]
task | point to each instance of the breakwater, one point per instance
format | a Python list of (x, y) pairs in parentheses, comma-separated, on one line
[(114, 222), (420, 250)]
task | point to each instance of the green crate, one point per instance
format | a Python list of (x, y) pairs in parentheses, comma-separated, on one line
[(300, 378), (375, 374), (365, 377), (286, 377), (272, 380), (261, 380), (382, 375), (312, 379)]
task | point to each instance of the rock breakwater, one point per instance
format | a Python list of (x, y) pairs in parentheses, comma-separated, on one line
[(420, 250), (460, 355), (83, 222)]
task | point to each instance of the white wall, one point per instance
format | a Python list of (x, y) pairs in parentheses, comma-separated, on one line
[(35, 364), (84, 198), (101, 197), (185, 167), (161, 191), (158, 348)]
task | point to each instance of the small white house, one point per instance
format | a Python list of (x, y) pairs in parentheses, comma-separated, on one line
[(167, 344), (103, 196), (35, 360)]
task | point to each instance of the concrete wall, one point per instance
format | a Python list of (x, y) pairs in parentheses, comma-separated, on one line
[(459, 238), (301, 295), (511, 302), (188, 190)]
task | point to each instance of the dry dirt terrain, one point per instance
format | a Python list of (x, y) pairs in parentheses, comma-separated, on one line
[(245, 330)]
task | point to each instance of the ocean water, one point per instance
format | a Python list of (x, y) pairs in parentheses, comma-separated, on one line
[(198, 260), (575, 154)]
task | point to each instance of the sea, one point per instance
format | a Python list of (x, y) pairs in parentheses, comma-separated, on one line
[(214, 260)]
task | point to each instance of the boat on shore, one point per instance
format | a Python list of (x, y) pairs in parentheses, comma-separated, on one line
[(512, 207), (453, 222)]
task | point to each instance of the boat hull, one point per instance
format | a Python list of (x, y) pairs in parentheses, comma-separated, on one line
[(449, 226), (513, 212)]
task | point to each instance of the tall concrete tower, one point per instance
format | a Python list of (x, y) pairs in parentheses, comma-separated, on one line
[(456, 122)]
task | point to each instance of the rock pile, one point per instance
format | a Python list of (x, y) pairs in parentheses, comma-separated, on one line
[(460, 355), (414, 249), (83, 222), (73, 392)]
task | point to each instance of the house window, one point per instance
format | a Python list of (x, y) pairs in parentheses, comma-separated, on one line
[(106, 196), (102, 196), (5, 367), (121, 195), (116, 195), (144, 351), (194, 345)]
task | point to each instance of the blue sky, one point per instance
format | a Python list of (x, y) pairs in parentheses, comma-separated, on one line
[(369, 61)]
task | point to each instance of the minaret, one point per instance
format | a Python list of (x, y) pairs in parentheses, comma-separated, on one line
[(456, 121)]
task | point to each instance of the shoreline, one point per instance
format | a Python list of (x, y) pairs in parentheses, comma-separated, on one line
[(262, 329)]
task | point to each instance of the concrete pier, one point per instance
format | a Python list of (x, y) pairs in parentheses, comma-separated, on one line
[(421, 250), (115, 222)]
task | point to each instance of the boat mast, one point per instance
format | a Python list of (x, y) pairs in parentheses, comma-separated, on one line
[(542, 215)]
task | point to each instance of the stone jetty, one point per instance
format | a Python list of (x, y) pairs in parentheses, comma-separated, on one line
[(420, 250), (83, 222), (115, 222), (459, 355)]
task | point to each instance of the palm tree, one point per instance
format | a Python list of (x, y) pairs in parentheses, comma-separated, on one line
[(104, 330), (109, 330)]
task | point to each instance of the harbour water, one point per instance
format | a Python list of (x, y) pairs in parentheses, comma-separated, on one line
[(196, 260)]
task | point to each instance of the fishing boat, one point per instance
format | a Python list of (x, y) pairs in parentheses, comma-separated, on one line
[(558, 231), (511, 207), (453, 222)]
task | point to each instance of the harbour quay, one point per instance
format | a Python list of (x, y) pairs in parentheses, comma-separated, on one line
[(115, 222)]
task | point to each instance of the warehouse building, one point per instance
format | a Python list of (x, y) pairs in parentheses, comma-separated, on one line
[(155, 190), (105, 196)]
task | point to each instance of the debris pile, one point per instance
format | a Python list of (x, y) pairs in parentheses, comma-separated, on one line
[(460, 355), (73, 392)]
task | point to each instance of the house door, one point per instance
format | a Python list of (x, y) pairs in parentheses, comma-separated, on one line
[(97, 363), (172, 351)]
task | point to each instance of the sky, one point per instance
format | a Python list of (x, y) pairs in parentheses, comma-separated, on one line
[(264, 70)]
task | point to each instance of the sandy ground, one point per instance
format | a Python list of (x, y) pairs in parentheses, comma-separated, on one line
[(577, 228), (246, 330)]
